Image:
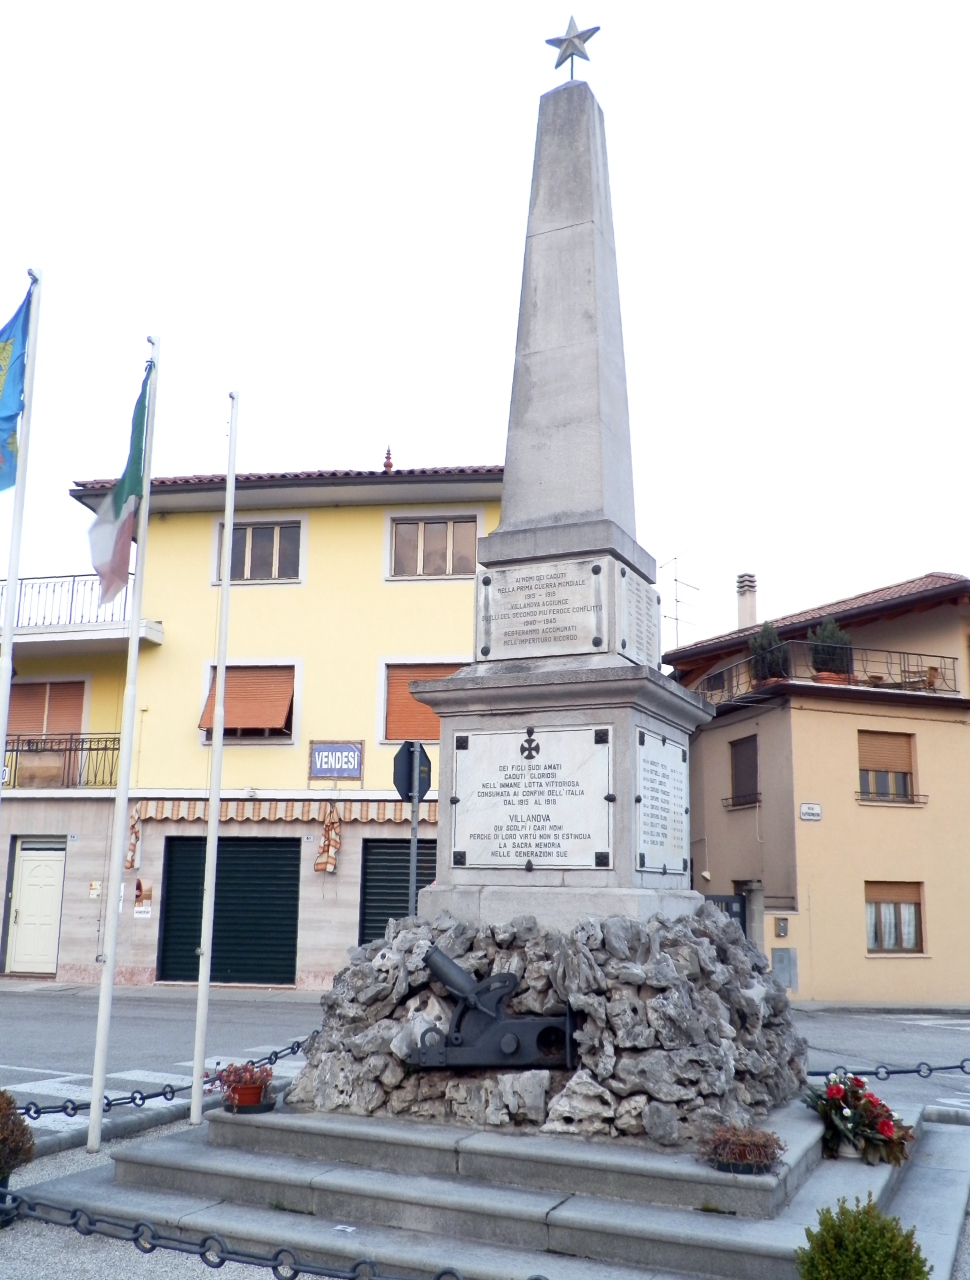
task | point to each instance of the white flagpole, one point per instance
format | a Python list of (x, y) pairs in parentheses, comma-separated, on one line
[(215, 778), (17, 527), (119, 834)]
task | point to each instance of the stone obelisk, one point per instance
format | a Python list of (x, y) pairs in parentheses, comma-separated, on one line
[(563, 767)]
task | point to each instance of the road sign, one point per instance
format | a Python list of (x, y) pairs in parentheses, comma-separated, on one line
[(403, 764)]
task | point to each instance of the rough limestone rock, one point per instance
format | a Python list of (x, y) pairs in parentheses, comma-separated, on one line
[(679, 1027)]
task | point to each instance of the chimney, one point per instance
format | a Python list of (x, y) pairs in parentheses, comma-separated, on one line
[(747, 601)]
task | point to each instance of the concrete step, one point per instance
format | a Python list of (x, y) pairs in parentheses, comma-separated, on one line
[(622, 1170), (321, 1240), (456, 1208)]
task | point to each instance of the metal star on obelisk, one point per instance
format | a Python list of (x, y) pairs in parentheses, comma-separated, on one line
[(572, 44)]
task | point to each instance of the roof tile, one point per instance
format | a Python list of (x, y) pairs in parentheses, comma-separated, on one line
[(909, 591)]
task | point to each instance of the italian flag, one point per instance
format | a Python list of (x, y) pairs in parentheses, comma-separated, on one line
[(114, 529)]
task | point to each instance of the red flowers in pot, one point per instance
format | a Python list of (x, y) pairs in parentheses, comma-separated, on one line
[(243, 1084)]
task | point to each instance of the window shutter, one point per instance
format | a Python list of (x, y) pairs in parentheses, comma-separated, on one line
[(65, 707), (256, 698), (892, 891), (744, 767), (890, 752), (28, 707), (406, 717)]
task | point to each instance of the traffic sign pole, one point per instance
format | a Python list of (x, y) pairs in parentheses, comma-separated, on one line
[(415, 810)]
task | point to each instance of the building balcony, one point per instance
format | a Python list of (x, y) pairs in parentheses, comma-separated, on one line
[(801, 663), (61, 762), (63, 615)]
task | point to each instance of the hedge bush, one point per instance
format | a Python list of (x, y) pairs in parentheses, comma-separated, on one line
[(860, 1244)]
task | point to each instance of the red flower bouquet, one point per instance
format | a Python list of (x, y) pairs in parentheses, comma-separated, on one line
[(858, 1118)]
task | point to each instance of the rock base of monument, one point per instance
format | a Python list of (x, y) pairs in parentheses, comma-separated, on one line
[(680, 1028)]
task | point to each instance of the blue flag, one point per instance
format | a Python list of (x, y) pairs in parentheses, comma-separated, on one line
[(13, 358)]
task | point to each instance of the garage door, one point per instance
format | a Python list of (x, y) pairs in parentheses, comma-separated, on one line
[(384, 882), (256, 911)]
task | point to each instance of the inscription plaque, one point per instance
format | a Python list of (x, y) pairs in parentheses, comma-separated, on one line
[(639, 617), (557, 607), (533, 794), (663, 823)]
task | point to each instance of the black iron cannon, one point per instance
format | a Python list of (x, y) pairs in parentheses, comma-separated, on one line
[(483, 1033)]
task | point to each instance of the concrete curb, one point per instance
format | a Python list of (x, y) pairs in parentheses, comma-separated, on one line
[(121, 1126), (946, 1115)]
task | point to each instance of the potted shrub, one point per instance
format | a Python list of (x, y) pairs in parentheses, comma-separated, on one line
[(857, 1123), (831, 651), (732, 1149), (769, 656), (850, 1243), (243, 1085), (16, 1143)]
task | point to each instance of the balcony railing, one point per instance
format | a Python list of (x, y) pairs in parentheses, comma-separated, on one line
[(73, 760), (66, 602), (800, 661)]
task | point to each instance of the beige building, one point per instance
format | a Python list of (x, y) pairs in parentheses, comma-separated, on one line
[(830, 791), (346, 586)]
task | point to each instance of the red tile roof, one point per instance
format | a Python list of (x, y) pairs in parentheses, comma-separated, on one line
[(257, 478), (930, 587)]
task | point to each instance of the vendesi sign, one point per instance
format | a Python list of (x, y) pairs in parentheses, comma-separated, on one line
[(336, 759)]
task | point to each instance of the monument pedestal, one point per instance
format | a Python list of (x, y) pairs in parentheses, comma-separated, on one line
[(563, 791), (563, 787)]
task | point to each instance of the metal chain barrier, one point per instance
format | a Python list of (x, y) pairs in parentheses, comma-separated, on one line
[(211, 1250), (882, 1072), (138, 1098)]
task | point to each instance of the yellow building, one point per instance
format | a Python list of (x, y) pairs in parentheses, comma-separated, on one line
[(347, 586), (829, 791)]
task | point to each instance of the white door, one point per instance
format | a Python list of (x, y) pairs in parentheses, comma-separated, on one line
[(35, 922)]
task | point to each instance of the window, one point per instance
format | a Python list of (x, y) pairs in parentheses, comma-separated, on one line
[(893, 916), (263, 552), (886, 766), (406, 717), (744, 772), (259, 703), (433, 548), (41, 709)]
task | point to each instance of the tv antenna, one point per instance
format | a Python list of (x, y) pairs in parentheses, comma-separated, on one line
[(675, 616)]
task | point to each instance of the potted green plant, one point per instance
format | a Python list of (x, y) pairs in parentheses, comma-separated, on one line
[(769, 656), (857, 1123), (243, 1085), (733, 1149), (16, 1144), (831, 651), (850, 1243)]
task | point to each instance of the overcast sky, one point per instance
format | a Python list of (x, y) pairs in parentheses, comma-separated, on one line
[(325, 206)]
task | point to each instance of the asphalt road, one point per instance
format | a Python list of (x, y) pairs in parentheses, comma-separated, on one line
[(864, 1040), (53, 1027), (47, 1035)]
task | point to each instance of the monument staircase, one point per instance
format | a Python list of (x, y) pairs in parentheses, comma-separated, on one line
[(416, 1197)]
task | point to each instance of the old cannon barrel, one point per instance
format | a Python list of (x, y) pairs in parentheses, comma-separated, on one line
[(452, 975)]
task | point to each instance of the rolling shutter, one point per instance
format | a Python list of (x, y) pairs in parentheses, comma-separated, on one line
[(256, 698), (406, 717), (893, 891), (55, 708), (257, 908), (65, 707), (384, 874), (28, 709), (888, 752), (744, 769)]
